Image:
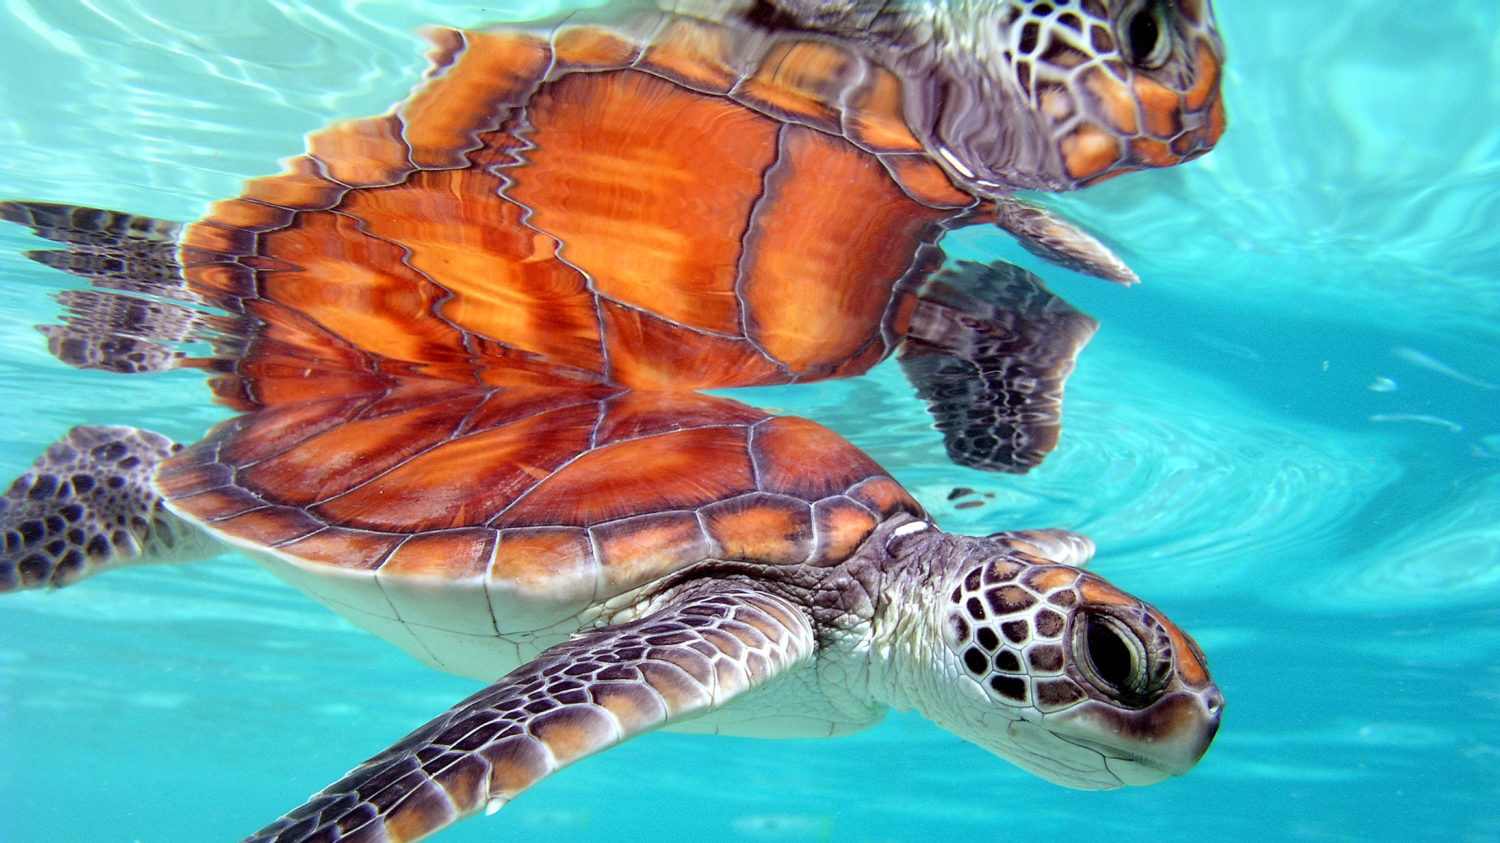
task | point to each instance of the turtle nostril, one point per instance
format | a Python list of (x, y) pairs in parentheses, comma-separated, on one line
[(1213, 701)]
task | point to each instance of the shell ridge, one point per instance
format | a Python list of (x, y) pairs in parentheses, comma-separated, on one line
[(625, 305), (279, 543), (491, 120), (764, 203), (523, 131), (756, 473), (454, 436), (603, 414), (523, 495), (486, 394), (466, 337)]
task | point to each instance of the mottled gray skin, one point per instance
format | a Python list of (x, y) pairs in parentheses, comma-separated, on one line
[(88, 503)]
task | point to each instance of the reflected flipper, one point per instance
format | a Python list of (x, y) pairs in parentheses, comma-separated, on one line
[(110, 249), (1053, 238), (989, 349), (138, 328)]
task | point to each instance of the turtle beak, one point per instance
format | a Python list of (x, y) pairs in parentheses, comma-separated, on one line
[(1167, 738)]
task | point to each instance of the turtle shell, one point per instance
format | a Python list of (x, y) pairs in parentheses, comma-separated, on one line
[(692, 208), (471, 329), (441, 516)]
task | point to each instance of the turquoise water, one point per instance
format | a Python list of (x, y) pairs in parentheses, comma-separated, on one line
[(1288, 438)]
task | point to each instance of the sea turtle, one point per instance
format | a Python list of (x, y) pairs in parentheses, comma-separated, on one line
[(464, 339), (624, 560)]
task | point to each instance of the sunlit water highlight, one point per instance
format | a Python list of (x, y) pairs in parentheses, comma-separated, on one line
[(1288, 437)]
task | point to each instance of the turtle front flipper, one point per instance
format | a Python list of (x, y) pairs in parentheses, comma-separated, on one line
[(134, 318), (713, 641), (989, 350), (87, 504)]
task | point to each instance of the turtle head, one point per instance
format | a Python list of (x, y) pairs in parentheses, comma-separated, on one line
[(1061, 673), (1051, 94)]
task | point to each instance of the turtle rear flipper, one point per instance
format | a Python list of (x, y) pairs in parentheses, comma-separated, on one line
[(989, 350), (137, 315), (87, 504), (711, 643)]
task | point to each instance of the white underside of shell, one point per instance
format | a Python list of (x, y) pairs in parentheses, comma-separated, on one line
[(450, 625)]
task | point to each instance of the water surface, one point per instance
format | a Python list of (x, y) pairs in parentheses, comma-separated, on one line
[(1288, 438)]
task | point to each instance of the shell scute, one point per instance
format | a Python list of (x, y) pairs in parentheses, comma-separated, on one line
[(492, 72), (350, 454), (461, 481), (231, 281), (629, 199), (543, 558), (274, 431), (853, 229), (803, 459), (592, 47), (694, 55), (455, 554), (771, 528), (341, 548), (301, 186), (364, 289), (250, 214), (368, 152), (842, 527), (873, 118), (926, 183), (648, 352), (215, 505), (517, 403), (636, 413), (669, 471), (802, 82), (885, 496), (635, 551), (270, 526)]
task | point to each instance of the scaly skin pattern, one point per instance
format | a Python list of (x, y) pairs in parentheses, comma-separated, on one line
[(1043, 664), (714, 642), (88, 504)]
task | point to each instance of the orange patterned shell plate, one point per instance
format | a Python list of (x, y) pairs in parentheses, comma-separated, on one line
[(594, 490), (686, 209)]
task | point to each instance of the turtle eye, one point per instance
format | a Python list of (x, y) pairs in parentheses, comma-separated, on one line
[(1145, 37), (1112, 656)]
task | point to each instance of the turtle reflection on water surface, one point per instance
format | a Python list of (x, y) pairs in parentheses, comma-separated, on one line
[(464, 340)]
